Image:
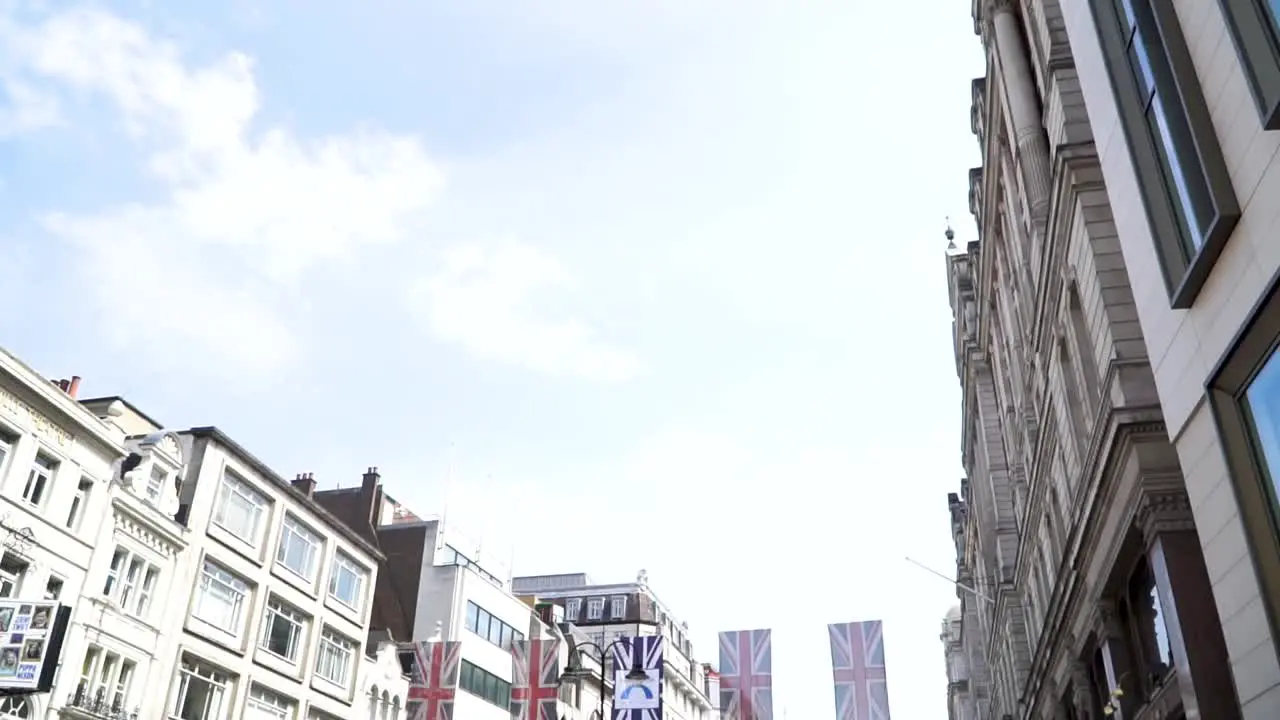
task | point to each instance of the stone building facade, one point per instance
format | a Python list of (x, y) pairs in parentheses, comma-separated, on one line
[(1201, 196), (1078, 561)]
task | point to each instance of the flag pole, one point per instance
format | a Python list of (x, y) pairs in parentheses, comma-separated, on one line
[(972, 591)]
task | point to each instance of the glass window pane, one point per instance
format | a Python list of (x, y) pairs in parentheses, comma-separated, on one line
[(1263, 404), (1183, 182)]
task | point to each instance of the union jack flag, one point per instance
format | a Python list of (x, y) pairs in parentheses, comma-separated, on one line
[(646, 654), (857, 664), (535, 679), (434, 680), (746, 675)]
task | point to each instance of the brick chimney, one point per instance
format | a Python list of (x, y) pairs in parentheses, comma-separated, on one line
[(371, 495), (306, 483), (70, 387)]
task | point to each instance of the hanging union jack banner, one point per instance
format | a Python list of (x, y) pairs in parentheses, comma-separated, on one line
[(857, 665), (746, 675), (535, 679), (434, 680), (636, 698)]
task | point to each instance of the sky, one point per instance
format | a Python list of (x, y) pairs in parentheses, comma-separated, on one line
[(619, 285)]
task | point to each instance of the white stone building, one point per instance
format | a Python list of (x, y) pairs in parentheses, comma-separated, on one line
[(605, 613), (279, 599), (56, 462)]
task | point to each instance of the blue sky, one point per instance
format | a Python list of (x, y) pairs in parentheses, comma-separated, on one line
[(659, 270)]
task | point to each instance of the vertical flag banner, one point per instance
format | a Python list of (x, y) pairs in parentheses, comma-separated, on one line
[(746, 675), (535, 679), (857, 667), (434, 681), (637, 698)]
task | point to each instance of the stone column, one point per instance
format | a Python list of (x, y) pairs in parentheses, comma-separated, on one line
[(1116, 662), (1024, 108), (1186, 599)]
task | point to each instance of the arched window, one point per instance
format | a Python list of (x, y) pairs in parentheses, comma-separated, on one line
[(386, 705), (15, 708), (373, 703), (395, 708)]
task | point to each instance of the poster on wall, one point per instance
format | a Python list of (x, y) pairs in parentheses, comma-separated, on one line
[(30, 643)]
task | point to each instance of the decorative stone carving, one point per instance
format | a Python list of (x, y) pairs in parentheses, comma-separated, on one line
[(1164, 511), (23, 414), (1080, 690)]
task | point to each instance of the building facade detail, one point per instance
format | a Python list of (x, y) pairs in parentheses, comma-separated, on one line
[(1079, 568)]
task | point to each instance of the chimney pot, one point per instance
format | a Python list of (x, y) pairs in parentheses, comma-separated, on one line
[(305, 484), (74, 386)]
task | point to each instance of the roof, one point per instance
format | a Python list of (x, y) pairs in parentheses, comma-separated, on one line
[(212, 433), (116, 398)]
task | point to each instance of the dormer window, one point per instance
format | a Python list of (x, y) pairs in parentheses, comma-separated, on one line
[(155, 483), (595, 608), (618, 607)]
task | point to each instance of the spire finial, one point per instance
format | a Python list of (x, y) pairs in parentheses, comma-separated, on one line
[(951, 235)]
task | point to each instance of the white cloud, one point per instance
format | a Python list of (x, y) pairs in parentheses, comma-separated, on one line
[(483, 298), (241, 212)]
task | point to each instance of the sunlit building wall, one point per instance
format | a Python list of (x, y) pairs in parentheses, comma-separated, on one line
[(1079, 563)]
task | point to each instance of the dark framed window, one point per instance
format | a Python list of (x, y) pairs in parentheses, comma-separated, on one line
[(1244, 395), (484, 684), (1191, 205), (1255, 32), (484, 624)]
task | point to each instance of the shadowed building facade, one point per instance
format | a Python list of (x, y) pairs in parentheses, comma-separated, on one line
[(1077, 551), (1186, 95)]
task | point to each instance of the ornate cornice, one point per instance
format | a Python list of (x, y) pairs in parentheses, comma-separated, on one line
[(1164, 511)]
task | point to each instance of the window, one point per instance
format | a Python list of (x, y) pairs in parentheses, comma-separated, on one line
[(131, 582), (1255, 29), (105, 681), (53, 588), (264, 704), (595, 608), (147, 592), (333, 661), (346, 581), (12, 571), (1149, 636), (1191, 205), (38, 480), (79, 503), (128, 592), (7, 442), (572, 609), (618, 607), (240, 509), (298, 549), (155, 483), (484, 685), (283, 630), (202, 693), (15, 707), (123, 680), (220, 598), (118, 561), (482, 623)]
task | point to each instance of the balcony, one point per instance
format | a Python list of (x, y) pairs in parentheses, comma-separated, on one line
[(96, 706)]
